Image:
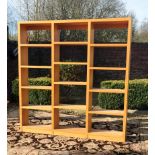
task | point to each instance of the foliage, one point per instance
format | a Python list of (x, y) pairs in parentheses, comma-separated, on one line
[(35, 96), (72, 73), (138, 95), (141, 34)]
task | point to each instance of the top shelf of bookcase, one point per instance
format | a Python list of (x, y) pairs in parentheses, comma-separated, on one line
[(36, 25), (105, 23)]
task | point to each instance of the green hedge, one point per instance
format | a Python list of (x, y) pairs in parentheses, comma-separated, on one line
[(138, 95), (35, 96), (43, 96)]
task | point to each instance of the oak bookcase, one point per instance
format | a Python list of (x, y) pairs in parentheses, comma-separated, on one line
[(90, 25)]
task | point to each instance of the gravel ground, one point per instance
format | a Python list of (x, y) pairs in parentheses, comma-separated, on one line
[(20, 143)]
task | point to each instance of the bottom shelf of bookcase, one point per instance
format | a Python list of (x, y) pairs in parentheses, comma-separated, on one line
[(116, 136), (71, 132), (43, 129)]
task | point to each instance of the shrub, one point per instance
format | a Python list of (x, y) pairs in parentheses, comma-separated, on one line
[(137, 99), (44, 96), (35, 96), (72, 73)]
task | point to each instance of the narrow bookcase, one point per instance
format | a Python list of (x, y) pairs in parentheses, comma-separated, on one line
[(55, 26)]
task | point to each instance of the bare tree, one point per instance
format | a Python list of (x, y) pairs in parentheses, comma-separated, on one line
[(75, 9), (141, 34)]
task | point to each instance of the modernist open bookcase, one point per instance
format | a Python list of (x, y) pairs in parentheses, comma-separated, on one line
[(55, 26)]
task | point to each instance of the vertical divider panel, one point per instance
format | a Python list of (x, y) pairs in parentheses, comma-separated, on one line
[(127, 78), (90, 59), (55, 75), (52, 73), (23, 75)]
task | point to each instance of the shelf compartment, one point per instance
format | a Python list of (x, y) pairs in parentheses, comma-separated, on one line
[(70, 63), (42, 129), (71, 25), (108, 45), (71, 43), (117, 91), (110, 24), (35, 45), (72, 132), (40, 107), (37, 67), (108, 112), (108, 68), (36, 25), (37, 87), (70, 107), (116, 136), (70, 83)]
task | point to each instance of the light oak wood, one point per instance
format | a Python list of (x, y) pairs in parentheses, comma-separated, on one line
[(110, 25), (72, 26), (72, 132), (37, 87), (109, 45), (42, 129), (108, 112), (90, 61), (117, 91), (76, 21), (56, 76), (71, 43), (70, 63), (35, 45), (55, 26), (70, 83), (36, 67), (128, 57), (116, 136), (38, 107), (70, 107), (108, 68), (23, 95)]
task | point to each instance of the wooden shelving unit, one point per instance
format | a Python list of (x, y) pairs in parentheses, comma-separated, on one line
[(55, 26)]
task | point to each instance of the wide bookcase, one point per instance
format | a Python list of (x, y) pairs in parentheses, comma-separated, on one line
[(55, 27)]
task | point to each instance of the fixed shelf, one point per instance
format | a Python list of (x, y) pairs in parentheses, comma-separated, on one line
[(36, 67), (36, 25), (37, 87), (70, 83), (100, 90), (70, 63), (36, 45), (72, 132), (71, 25), (108, 45), (108, 68), (116, 136), (71, 43), (38, 107), (108, 112), (70, 107), (109, 24), (43, 129)]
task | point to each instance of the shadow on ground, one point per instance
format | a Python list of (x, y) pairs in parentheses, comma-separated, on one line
[(40, 144)]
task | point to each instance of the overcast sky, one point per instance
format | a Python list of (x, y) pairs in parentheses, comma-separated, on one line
[(139, 7)]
